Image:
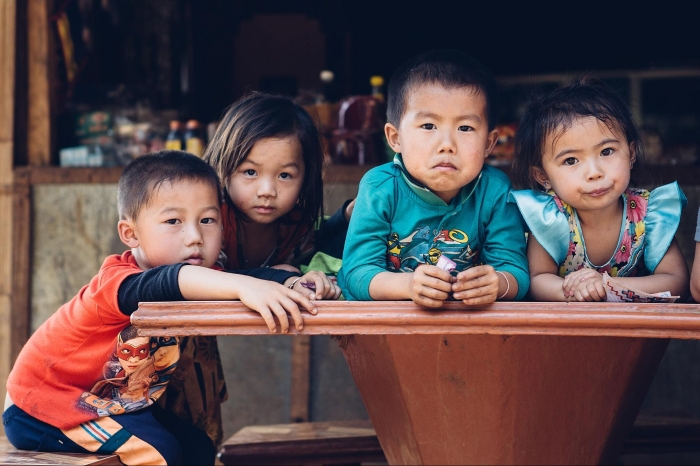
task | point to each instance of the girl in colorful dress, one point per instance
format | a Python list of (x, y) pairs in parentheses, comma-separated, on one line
[(575, 149)]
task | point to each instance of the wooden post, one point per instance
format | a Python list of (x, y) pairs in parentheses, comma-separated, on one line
[(299, 396), (7, 102), (40, 62)]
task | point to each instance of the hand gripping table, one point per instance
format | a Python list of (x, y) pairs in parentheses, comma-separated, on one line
[(511, 383)]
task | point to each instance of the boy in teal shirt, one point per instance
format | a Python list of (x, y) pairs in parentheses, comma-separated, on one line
[(437, 213)]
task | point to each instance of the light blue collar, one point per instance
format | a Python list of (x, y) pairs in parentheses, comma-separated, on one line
[(426, 194)]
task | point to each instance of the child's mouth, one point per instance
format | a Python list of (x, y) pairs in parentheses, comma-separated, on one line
[(264, 209), (195, 260), (599, 192)]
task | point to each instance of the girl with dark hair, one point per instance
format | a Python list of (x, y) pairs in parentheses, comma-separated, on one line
[(575, 148), (268, 155)]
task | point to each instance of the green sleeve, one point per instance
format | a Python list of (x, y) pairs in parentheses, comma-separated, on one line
[(504, 240), (365, 250)]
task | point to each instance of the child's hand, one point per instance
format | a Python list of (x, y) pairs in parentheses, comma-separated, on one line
[(315, 285), (584, 285), (270, 298), (476, 285), (430, 286)]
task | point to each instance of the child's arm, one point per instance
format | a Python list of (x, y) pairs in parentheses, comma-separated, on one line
[(670, 275), (695, 275), (267, 298), (546, 285), (505, 273)]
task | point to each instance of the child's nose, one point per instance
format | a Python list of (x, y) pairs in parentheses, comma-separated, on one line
[(267, 188), (447, 143), (595, 170), (193, 235)]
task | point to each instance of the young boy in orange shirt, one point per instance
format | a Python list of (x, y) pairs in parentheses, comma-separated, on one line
[(85, 382)]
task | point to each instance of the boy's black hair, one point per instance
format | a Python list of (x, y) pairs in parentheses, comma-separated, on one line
[(259, 116), (556, 112), (448, 68), (145, 174)]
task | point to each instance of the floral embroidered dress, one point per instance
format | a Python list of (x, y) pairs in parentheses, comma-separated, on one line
[(651, 219)]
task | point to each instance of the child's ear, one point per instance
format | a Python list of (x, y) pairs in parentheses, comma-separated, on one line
[(633, 154), (540, 176), (127, 233), (392, 137), (491, 141)]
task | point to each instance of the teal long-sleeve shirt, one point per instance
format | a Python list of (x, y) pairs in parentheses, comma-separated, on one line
[(397, 224)]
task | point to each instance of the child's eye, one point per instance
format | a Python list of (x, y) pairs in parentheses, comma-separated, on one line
[(172, 221), (606, 152), (570, 161), (208, 220), (249, 172), (428, 126), (465, 128), (285, 176)]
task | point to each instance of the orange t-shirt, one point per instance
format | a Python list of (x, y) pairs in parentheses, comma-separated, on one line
[(86, 362)]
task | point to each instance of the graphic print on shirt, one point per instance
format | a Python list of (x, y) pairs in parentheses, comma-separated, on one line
[(135, 376), (424, 246)]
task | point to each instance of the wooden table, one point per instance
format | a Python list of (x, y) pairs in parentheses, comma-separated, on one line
[(505, 383)]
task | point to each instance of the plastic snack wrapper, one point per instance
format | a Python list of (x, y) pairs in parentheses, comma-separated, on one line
[(446, 264), (616, 292)]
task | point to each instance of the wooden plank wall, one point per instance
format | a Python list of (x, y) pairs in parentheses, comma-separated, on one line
[(7, 102)]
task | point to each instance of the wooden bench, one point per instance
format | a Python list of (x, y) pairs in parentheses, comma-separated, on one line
[(341, 442), (657, 434), (11, 455), (355, 442)]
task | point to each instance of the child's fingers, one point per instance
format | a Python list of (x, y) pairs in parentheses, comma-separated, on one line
[(476, 293), (428, 302), (321, 283), (600, 288), (302, 301), (433, 283), (485, 299), (269, 320), (473, 272), (433, 293), (435, 272), (292, 308), (469, 282), (587, 292), (336, 290), (278, 310)]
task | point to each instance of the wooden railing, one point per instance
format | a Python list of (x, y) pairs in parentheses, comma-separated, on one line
[(403, 317)]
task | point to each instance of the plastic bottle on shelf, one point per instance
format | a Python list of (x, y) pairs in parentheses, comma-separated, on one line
[(377, 82), (194, 140), (328, 86), (174, 139)]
